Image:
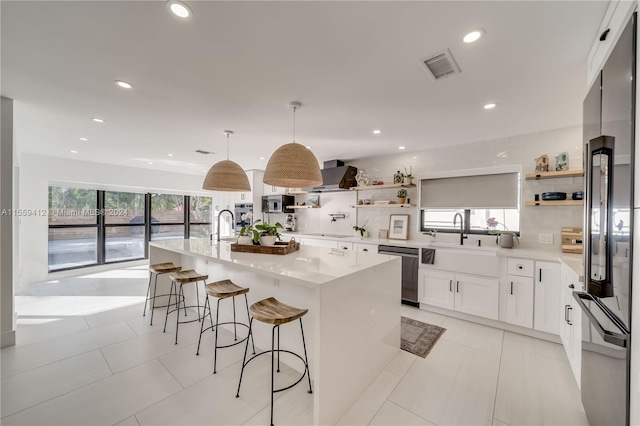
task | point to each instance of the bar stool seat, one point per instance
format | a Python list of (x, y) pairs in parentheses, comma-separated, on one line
[(223, 290), (272, 311), (157, 269), (180, 278)]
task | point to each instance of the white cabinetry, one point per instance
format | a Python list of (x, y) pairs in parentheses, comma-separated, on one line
[(319, 242), (460, 292), (547, 297), (371, 248), (273, 190), (571, 320), (519, 301)]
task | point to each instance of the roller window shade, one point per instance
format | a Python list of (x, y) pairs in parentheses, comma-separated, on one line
[(469, 192)]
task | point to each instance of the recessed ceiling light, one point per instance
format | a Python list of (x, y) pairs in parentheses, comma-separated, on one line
[(98, 120), (473, 35), (309, 147), (490, 106), (73, 151), (149, 163), (402, 147), (170, 155), (415, 156), (377, 132), (84, 139), (123, 84), (262, 158), (179, 9)]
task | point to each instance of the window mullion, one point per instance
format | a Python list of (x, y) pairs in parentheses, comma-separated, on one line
[(101, 228)]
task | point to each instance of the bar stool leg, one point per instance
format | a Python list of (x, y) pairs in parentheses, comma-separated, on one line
[(235, 332), (169, 304), (278, 349), (153, 301), (198, 301), (273, 378), (148, 290), (215, 344), (244, 358), (246, 302), (204, 314), (306, 361), (184, 308)]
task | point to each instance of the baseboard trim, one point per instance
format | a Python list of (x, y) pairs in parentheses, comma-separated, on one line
[(493, 323), (7, 339)]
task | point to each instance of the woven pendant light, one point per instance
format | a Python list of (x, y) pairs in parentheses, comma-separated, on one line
[(226, 175), (293, 165)]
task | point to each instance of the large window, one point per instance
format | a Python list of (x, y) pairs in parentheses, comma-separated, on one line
[(73, 227), (92, 227), (477, 198)]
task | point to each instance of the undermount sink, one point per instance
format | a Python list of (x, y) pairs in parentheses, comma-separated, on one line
[(465, 259)]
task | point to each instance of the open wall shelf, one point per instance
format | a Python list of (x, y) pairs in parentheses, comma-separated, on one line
[(555, 203), (387, 186), (382, 206), (303, 207), (554, 174)]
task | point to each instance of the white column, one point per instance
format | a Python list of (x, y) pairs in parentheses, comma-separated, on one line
[(7, 307)]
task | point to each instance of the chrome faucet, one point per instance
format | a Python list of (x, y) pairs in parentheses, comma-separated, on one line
[(455, 218), (218, 224)]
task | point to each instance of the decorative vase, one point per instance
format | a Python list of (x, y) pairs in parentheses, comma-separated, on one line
[(505, 240), (408, 180), (267, 240), (401, 200), (245, 240)]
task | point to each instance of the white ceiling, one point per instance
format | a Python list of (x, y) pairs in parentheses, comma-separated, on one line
[(236, 65)]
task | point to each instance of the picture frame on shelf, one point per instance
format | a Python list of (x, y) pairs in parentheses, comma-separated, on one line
[(313, 201), (398, 226)]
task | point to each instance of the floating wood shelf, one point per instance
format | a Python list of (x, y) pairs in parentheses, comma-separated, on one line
[(554, 175), (302, 207), (555, 203), (387, 186), (381, 206)]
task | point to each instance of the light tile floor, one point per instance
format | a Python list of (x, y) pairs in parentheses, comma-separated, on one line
[(85, 355)]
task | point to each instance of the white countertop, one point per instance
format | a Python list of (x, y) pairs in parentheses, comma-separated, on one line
[(311, 266), (574, 261)]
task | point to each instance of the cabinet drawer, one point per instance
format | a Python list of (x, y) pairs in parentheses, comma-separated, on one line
[(520, 267)]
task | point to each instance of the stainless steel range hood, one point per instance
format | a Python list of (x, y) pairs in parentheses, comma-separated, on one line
[(336, 177)]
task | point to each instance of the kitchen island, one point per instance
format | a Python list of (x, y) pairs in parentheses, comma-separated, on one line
[(353, 325)]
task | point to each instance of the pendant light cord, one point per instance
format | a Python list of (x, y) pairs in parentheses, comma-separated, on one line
[(227, 146), (294, 124)]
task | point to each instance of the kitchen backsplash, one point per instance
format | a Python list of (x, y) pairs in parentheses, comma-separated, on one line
[(516, 150)]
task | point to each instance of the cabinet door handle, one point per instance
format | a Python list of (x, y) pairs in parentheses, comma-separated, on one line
[(344, 248), (450, 284), (365, 249), (511, 287), (566, 313), (569, 308), (457, 286), (540, 274), (520, 267), (572, 286)]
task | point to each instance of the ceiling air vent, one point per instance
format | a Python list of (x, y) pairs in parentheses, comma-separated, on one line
[(202, 151), (440, 65)]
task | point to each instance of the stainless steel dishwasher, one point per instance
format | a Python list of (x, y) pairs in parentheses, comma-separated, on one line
[(409, 271)]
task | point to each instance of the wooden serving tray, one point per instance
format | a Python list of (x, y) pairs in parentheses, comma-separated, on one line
[(280, 248)]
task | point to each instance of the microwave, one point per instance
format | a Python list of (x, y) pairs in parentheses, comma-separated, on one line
[(277, 203)]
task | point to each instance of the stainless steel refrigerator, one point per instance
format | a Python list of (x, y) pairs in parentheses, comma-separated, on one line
[(609, 134)]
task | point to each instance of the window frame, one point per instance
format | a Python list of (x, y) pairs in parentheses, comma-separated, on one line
[(466, 229)]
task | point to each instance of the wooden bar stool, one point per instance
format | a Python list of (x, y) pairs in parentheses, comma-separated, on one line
[(181, 278), (223, 290), (272, 311), (157, 269)]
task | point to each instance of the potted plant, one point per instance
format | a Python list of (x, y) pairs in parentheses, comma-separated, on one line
[(268, 234), (361, 229), (248, 235), (504, 237), (408, 176), (402, 195)]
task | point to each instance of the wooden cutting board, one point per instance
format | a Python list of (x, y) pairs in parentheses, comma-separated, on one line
[(572, 240)]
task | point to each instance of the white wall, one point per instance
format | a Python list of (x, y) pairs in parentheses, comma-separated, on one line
[(515, 150), (38, 172), (7, 258)]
